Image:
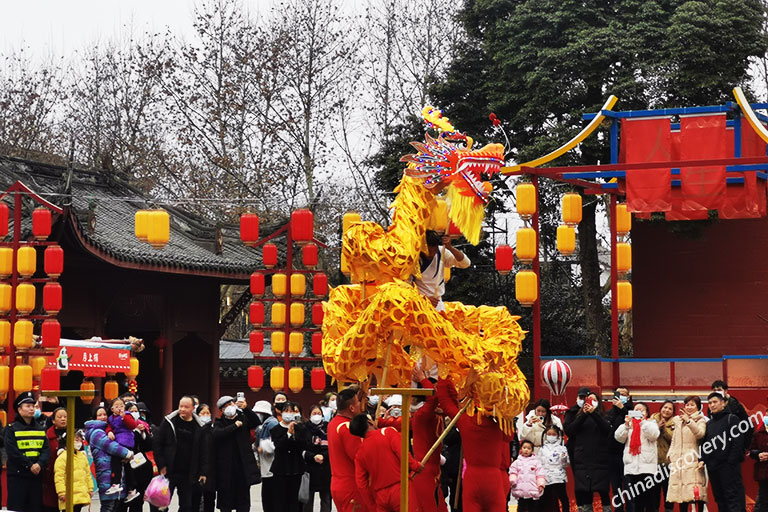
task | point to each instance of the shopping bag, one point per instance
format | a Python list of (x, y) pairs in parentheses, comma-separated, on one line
[(158, 492), (304, 488)]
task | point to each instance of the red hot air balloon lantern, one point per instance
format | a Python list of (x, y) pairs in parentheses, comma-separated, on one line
[(556, 375)]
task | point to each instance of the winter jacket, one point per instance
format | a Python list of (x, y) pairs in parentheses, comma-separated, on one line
[(122, 427), (759, 444), (319, 473), (28, 448), (718, 428), (50, 498), (665, 437), (164, 448), (289, 449), (102, 450), (646, 462), (616, 417), (683, 459), (736, 408), (553, 462), (526, 474), (82, 483), (534, 431), (142, 443), (232, 450), (589, 435)]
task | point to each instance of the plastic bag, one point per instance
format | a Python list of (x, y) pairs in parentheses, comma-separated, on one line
[(304, 488), (158, 492)]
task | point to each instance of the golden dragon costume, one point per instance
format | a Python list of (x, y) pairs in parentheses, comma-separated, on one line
[(388, 322)]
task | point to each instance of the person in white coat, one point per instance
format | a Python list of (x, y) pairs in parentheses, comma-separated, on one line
[(433, 264), (536, 422), (554, 459), (639, 435)]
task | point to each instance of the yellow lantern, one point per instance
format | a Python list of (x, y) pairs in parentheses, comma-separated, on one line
[(38, 363), (571, 208), (526, 244), (277, 378), (5, 373), (5, 333), (26, 261), (296, 343), (526, 200), (296, 379), (25, 298), (277, 343), (141, 224), (623, 219), (6, 261), (278, 313), (348, 220), (22, 378), (566, 239), (87, 386), (438, 218), (298, 285), (158, 228), (526, 287), (624, 296), (22, 334), (297, 314), (5, 298), (134, 371), (623, 257), (110, 389), (279, 285)]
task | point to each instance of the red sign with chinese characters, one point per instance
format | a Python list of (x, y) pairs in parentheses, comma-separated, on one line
[(95, 362)]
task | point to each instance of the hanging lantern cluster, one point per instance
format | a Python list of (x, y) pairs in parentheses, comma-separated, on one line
[(571, 216), (153, 227), (287, 304), (623, 223)]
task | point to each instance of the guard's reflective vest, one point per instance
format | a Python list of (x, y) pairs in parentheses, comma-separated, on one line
[(25, 444)]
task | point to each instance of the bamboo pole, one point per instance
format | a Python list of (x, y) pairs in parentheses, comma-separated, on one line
[(383, 383), (458, 478), (445, 433)]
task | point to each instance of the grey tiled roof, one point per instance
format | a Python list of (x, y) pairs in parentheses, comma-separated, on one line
[(113, 203)]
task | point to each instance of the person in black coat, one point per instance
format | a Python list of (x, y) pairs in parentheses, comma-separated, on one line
[(733, 406), (621, 404), (291, 438), (449, 473), (723, 459), (235, 468), (177, 449), (589, 435), (205, 493), (316, 458), (142, 436)]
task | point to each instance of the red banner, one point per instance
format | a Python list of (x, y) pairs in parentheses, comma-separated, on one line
[(647, 140), (677, 213), (704, 136), (94, 362), (747, 201)]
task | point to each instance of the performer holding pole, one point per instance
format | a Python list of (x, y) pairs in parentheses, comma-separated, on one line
[(342, 448)]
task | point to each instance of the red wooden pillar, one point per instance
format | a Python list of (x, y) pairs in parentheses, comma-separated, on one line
[(614, 296), (537, 388)]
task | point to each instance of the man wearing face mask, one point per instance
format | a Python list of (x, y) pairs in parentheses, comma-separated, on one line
[(425, 423), (234, 465), (570, 415), (621, 404), (342, 448)]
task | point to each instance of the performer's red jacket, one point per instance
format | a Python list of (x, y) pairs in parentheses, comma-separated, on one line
[(377, 464), (342, 448), (426, 429)]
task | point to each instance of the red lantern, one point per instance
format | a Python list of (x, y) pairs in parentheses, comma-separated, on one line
[(302, 225), (52, 298), (317, 313), (317, 343), (320, 285), (3, 219), (318, 380), (255, 377), (256, 313), (51, 334), (257, 284), (309, 255), (249, 228), (41, 223), (256, 342), (269, 255), (49, 379), (53, 261), (504, 259)]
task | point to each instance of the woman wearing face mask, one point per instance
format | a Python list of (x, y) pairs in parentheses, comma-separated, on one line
[(663, 419), (82, 483), (639, 434), (316, 457), (234, 465), (328, 406), (206, 492), (57, 435), (688, 482), (536, 422), (291, 439), (142, 442)]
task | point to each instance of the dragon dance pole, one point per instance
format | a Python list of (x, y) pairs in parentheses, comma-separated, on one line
[(445, 433)]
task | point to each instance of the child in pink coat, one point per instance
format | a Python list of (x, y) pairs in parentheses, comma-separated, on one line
[(527, 477)]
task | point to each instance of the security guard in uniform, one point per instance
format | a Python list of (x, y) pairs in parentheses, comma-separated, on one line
[(27, 448)]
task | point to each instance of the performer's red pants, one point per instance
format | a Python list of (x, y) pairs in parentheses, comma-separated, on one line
[(483, 490), (346, 497), (424, 485)]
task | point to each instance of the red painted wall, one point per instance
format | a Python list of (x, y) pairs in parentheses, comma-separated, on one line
[(702, 296)]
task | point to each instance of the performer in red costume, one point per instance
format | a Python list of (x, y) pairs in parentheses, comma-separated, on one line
[(377, 466), (483, 486), (426, 425), (342, 448)]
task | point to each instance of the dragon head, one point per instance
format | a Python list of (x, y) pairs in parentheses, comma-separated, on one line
[(449, 161)]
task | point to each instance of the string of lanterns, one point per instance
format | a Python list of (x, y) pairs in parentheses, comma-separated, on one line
[(623, 258)]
